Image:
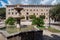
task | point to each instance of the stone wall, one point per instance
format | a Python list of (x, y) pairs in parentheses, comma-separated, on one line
[(30, 35)]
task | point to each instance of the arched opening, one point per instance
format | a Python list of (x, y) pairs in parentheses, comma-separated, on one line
[(27, 18)]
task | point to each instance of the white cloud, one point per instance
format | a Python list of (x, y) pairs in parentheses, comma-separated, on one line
[(9, 2), (34, 2), (25, 3), (3, 4), (26, 0), (54, 2), (50, 2), (13, 1), (44, 1)]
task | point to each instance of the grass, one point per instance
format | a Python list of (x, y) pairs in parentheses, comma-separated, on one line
[(27, 28), (42, 27), (50, 29), (53, 30), (12, 29)]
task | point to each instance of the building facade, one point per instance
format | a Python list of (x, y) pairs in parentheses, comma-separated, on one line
[(28, 10)]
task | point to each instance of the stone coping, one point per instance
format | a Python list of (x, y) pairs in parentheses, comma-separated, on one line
[(6, 34)]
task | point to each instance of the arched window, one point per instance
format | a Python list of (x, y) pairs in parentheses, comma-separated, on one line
[(9, 13), (12, 13), (27, 13), (34, 14)]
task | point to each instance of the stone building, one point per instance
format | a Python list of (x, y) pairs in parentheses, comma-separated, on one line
[(16, 11)]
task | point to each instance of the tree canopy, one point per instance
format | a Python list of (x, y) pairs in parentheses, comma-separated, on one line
[(55, 13), (37, 21), (2, 12), (42, 16), (10, 21)]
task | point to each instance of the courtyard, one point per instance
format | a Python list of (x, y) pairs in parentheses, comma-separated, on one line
[(31, 18)]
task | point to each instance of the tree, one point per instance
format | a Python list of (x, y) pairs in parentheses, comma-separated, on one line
[(32, 16), (2, 12), (42, 16), (37, 21), (55, 13), (10, 21)]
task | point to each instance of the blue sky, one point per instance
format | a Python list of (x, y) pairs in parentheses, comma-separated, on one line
[(26, 2), (46, 2)]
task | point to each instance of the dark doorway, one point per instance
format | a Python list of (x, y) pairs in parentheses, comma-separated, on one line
[(27, 13), (27, 18), (18, 21)]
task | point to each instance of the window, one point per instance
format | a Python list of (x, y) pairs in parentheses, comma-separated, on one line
[(27, 9), (27, 13), (27, 18), (37, 13), (9, 9), (16, 13), (41, 13), (44, 13), (46, 18), (12, 9), (46, 9), (34, 9), (12, 13), (37, 9), (34, 14), (41, 9), (9, 13), (30, 9)]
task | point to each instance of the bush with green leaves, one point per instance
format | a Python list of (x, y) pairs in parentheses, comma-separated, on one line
[(2, 12), (32, 16), (10, 21), (42, 16), (55, 13), (37, 21)]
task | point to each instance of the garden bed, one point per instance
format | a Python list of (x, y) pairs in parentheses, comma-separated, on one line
[(53, 30)]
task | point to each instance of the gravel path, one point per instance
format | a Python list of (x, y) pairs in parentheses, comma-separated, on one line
[(50, 36)]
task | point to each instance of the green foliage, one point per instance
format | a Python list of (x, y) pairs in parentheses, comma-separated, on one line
[(10, 21), (55, 13), (42, 16), (32, 16), (38, 21), (2, 12), (53, 30)]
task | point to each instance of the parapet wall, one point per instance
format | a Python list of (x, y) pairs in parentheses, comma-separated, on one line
[(30, 35)]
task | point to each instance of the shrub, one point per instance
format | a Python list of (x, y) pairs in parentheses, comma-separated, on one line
[(42, 16), (37, 20), (32, 16), (10, 21)]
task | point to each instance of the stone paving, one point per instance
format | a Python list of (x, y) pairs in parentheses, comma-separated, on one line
[(50, 36), (47, 35), (55, 26)]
